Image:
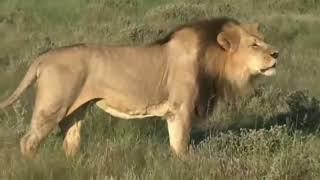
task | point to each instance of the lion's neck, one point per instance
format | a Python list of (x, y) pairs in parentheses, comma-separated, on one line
[(229, 79)]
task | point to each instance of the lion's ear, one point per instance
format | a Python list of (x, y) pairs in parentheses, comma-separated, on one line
[(229, 41)]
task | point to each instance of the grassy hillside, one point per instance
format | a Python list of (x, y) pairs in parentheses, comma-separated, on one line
[(272, 134)]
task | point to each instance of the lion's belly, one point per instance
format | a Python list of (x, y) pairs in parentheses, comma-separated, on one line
[(138, 113)]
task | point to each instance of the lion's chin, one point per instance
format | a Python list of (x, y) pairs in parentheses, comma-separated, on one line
[(269, 72)]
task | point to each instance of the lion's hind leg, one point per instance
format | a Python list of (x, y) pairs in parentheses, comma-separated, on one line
[(42, 123), (71, 127), (72, 139), (53, 99)]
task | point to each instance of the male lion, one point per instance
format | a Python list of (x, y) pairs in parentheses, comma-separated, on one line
[(171, 78)]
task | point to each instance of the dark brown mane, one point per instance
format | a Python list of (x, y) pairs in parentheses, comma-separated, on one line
[(213, 60), (208, 28), (213, 82)]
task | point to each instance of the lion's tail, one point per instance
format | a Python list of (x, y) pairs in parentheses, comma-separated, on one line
[(24, 84)]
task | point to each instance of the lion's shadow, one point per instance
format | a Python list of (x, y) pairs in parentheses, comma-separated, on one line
[(303, 115)]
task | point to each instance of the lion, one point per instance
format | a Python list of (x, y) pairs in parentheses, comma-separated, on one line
[(171, 78)]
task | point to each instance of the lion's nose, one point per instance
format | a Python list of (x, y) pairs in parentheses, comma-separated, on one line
[(275, 54)]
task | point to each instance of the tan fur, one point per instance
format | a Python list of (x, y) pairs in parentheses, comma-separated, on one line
[(172, 78), (71, 143)]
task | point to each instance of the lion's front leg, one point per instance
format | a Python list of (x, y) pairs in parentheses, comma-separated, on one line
[(179, 127)]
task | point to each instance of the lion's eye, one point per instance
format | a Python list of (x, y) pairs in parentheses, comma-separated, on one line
[(255, 45)]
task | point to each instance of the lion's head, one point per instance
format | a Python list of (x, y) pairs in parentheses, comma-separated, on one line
[(235, 54), (247, 49)]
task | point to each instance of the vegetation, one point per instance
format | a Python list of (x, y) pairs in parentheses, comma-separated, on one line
[(273, 134)]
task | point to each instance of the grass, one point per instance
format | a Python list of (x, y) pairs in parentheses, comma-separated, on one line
[(272, 134)]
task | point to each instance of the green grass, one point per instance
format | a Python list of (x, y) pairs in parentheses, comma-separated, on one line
[(272, 134)]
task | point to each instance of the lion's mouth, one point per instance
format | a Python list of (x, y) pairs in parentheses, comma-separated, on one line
[(268, 68), (269, 71)]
